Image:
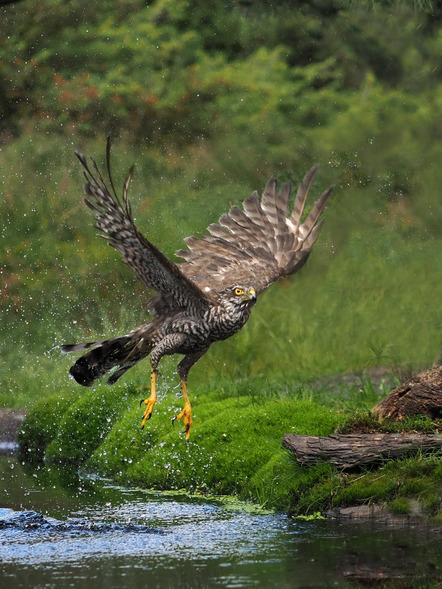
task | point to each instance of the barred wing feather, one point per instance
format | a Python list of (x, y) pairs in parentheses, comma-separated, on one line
[(257, 244), (114, 219)]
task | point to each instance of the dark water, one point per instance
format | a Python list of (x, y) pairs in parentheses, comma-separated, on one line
[(86, 533)]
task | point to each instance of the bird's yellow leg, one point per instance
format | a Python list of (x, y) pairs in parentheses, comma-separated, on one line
[(151, 400), (186, 413)]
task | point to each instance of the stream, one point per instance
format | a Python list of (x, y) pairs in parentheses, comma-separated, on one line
[(60, 529)]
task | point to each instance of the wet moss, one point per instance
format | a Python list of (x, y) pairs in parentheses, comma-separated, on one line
[(235, 449), (84, 424), (40, 427)]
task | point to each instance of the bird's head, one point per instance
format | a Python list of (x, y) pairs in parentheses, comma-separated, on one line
[(239, 296)]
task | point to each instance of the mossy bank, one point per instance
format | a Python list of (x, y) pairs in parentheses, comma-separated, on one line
[(235, 447)]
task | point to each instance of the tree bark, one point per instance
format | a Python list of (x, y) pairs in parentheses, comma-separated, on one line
[(352, 450), (422, 395)]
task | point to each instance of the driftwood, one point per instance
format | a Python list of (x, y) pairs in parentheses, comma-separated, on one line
[(422, 395), (351, 450)]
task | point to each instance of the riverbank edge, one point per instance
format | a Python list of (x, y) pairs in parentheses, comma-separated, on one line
[(11, 421)]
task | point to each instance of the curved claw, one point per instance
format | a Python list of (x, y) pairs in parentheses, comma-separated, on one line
[(150, 403), (186, 413)]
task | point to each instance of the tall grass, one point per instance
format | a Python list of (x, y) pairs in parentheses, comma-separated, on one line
[(369, 295)]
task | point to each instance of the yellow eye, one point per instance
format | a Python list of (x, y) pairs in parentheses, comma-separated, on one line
[(239, 291)]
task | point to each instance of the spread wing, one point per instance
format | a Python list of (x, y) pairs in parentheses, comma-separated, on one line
[(258, 243), (154, 269)]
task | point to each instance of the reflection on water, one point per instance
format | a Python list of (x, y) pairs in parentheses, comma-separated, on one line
[(114, 537)]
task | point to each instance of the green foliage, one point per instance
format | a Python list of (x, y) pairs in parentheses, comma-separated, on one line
[(400, 506), (173, 71)]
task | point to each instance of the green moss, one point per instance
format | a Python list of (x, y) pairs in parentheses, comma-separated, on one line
[(275, 482), (84, 425), (400, 506), (315, 489), (365, 422), (235, 446), (394, 484), (41, 426), (235, 449)]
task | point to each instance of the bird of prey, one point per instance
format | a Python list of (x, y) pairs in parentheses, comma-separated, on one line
[(209, 296)]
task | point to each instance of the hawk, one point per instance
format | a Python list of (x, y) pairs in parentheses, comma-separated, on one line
[(210, 295)]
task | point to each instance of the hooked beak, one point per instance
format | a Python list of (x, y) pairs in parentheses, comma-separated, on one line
[(250, 295)]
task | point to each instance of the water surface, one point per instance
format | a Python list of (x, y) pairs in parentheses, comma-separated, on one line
[(88, 531)]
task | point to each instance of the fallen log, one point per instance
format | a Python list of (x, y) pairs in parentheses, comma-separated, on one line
[(352, 450), (422, 395)]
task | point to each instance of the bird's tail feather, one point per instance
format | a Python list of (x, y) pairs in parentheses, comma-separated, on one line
[(124, 351)]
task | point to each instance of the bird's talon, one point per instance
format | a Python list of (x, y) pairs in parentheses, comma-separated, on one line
[(150, 403), (186, 415)]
